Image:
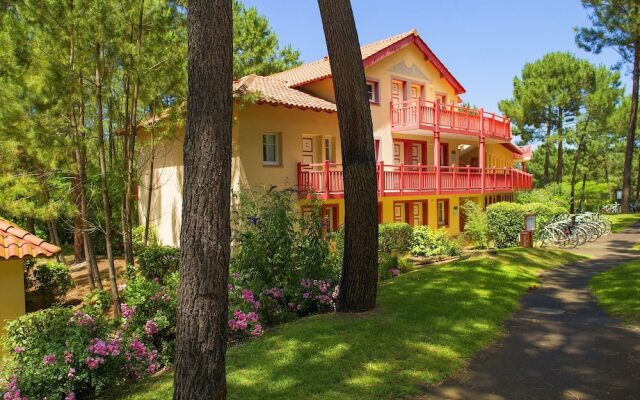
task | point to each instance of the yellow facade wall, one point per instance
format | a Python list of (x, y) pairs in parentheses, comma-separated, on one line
[(11, 291)]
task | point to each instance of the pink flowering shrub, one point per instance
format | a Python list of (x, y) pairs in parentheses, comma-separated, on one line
[(244, 307), (315, 295), (59, 353)]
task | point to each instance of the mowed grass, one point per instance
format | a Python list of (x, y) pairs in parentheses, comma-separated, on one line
[(618, 291), (427, 325), (621, 222)]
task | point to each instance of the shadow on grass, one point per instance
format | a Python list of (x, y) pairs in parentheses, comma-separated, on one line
[(428, 323), (618, 291)]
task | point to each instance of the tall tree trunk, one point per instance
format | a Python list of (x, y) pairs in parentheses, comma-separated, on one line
[(606, 176), (582, 191), (124, 204), (547, 155), (359, 282), (637, 197), (201, 336), (631, 132), (31, 225), (106, 203), (576, 161), (55, 239), (147, 217), (560, 166), (78, 243)]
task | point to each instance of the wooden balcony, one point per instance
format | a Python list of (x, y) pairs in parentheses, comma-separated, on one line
[(325, 180), (414, 115)]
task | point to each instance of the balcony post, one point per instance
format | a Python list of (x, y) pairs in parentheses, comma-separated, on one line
[(381, 178), (325, 170), (436, 152), (495, 176), (301, 189), (419, 177), (468, 179), (401, 177), (481, 152)]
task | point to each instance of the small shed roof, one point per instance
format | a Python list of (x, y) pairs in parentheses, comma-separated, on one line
[(16, 243)]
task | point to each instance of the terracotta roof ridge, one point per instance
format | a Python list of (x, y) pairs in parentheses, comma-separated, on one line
[(13, 236)]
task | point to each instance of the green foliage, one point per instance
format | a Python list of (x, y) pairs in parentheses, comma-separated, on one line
[(255, 46), (97, 302), (138, 238), (156, 262), (551, 194), (52, 280), (394, 238), (505, 220), (545, 213), (427, 242), (476, 227), (392, 265), (277, 246)]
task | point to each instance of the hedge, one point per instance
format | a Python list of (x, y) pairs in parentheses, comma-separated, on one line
[(394, 238)]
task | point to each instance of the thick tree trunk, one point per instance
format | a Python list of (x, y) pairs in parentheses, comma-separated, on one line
[(637, 197), (358, 286), (78, 243), (106, 203), (201, 336), (547, 155), (560, 166), (631, 132)]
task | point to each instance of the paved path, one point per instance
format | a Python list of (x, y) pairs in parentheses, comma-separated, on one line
[(561, 344)]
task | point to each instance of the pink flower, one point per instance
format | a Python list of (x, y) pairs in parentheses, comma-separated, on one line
[(305, 283), (336, 292), (68, 357), (235, 275), (93, 362), (82, 319), (252, 317), (150, 328), (394, 272), (70, 396), (127, 311), (305, 295), (98, 346), (18, 349), (71, 374), (256, 331), (49, 359)]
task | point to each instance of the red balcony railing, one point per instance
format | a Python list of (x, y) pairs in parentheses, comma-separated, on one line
[(325, 180), (430, 115)]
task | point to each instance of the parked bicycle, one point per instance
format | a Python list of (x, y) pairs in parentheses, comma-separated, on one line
[(569, 231), (611, 208)]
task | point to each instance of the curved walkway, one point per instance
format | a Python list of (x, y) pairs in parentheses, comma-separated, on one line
[(561, 344)]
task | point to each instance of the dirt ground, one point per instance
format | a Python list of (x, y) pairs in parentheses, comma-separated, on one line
[(81, 283)]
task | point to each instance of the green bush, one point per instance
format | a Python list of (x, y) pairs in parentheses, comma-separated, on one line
[(394, 238), (476, 227), (392, 265), (551, 194), (545, 213), (506, 221), (158, 261), (97, 301), (427, 242), (138, 238), (52, 280), (276, 245)]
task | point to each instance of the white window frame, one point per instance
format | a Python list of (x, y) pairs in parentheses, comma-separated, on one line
[(276, 149), (375, 91)]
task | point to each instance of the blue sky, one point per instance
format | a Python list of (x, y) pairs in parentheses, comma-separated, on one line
[(483, 43)]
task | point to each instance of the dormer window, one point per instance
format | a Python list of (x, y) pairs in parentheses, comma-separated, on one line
[(372, 92)]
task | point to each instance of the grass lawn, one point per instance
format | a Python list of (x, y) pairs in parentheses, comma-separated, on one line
[(622, 221), (427, 325), (618, 291)]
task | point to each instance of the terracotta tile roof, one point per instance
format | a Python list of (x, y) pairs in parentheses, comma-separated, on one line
[(371, 53), (275, 91), (16, 243)]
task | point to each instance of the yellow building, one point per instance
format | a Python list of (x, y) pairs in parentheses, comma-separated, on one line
[(16, 245), (432, 153)]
